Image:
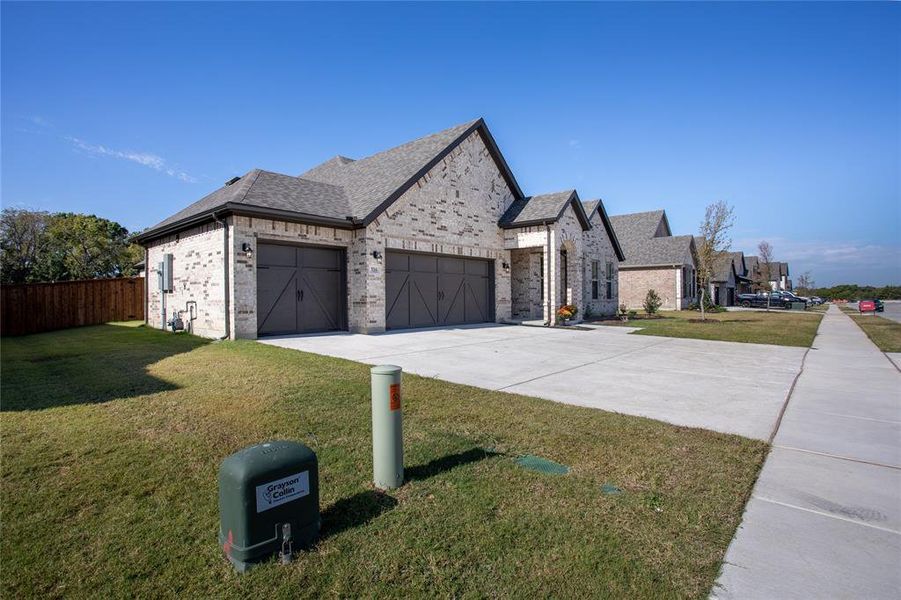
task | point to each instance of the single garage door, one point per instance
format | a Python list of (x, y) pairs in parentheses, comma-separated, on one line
[(300, 289), (426, 290)]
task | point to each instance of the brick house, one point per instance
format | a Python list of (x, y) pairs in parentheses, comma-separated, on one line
[(730, 278), (655, 259), (435, 232)]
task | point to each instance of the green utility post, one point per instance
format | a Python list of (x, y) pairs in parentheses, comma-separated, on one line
[(387, 428)]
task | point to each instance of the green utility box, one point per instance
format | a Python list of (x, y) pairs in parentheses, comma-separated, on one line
[(798, 305), (268, 502)]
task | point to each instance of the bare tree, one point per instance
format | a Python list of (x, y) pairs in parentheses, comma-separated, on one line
[(713, 243), (805, 283), (765, 259)]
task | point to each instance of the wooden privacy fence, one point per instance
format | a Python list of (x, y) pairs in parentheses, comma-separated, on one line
[(36, 307)]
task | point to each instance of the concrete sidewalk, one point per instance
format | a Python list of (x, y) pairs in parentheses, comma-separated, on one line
[(824, 519)]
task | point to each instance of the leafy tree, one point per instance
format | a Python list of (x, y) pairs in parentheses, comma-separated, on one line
[(652, 302), (39, 246), (714, 242), (22, 243)]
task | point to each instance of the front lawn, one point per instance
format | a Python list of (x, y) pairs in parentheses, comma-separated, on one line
[(779, 327), (885, 333), (112, 436)]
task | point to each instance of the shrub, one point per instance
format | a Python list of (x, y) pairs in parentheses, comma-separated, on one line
[(709, 306), (652, 302), (567, 312), (632, 314)]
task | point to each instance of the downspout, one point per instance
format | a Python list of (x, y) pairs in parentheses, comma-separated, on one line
[(146, 286), (224, 274)]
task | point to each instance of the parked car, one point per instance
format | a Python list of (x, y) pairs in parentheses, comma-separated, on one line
[(792, 297), (880, 307), (816, 300), (759, 300)]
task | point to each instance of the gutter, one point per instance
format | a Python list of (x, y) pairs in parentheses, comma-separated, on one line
[(226, 290), (230, 208)]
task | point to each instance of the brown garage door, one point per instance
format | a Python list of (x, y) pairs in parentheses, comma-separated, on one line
[(427, 290), (300, 289)]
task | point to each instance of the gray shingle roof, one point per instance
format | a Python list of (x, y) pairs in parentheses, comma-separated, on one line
[(636, 233), (369, 181), (273, 191), (722, 266), (538, 209), (752, 263), (340, 191)]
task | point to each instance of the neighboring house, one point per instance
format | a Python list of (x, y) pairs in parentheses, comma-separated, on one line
[(655, 259), (728, 272), (434, 232), (752, 263), (778, 278), (743, 279)]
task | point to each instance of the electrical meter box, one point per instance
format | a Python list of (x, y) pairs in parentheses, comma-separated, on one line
[(268, 502), (166, 278)]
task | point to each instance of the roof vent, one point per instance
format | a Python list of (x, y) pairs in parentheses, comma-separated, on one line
[(232, 180)]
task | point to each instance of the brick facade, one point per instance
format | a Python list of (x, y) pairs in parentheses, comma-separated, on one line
[(635, 283), (599, 247), (198, 276)]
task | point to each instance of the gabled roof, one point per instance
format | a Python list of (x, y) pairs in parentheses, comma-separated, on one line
[(597, 206), (751, 262), (639, 234), (741, 269), (340, 192), (723, 266), (372, 184), (777, 270), (544, 208)]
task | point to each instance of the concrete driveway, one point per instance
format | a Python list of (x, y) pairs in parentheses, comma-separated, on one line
[(723, 386)]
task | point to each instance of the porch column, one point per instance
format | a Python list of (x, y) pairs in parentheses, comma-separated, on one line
[(551, 274)]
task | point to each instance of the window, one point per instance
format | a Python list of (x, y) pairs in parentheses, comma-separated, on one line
[(564, 272), (595, 279), (609, 281), (541, 274)]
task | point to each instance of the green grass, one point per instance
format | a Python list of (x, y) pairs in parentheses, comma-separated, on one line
[(112, 437), (885, 333), (779, 327)]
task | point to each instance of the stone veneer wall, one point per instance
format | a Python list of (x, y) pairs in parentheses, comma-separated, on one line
[(526, 283), (635, 283), (197, 275), (598, 246)]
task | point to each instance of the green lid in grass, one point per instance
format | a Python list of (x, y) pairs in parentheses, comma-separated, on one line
[(542, 465)]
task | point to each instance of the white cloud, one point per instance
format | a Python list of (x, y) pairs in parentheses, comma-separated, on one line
[(146, 159), (39, 121)]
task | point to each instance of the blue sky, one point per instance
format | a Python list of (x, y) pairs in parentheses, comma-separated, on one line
[(789, 112)]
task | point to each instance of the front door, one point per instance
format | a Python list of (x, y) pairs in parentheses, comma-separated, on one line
[(300, 289)]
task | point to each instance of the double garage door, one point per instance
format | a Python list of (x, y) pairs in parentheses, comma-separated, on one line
[(302, 289), (425, 290)]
